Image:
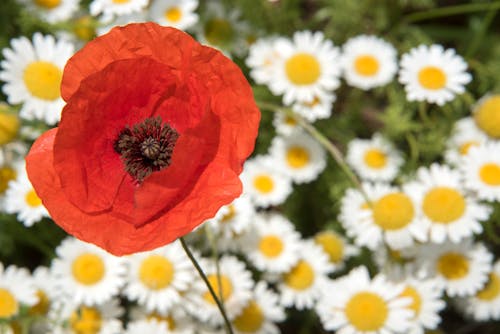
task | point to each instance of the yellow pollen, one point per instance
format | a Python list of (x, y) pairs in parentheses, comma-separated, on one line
[(32, 199), (250, 320), (173, 14), (366, 311), (231, 212), (487, 116), (366, 65), (8, 304), (226, 291), (302, 69), (465, 147), (88, 269), (263, 183), (432, 78), (87, 320), (9, 125), (443, 205), (416, 299), (271, 246), (453, 266), (375, 158), (43, 80), (490, 174), (491, 290), (297, 157), (219, 32), (156, 272), (48, 4), (313, 103), (42, 307), (6, 174), (300, 277), (290, 121), (393, 211), (332, 245), (120, 2), (84, 28)]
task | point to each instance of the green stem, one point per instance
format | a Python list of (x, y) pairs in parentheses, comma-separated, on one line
[(215, 255), (450, 10), (476, 41), (229, 328)]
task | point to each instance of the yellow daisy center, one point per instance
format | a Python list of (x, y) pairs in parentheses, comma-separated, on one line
[(160, 318), (366, 311), (416, 299), (120, 2), (490, 174), (84, 28), (443, 205), (491, 290), (366, 65), (393, 211), (225, 289), (300, 277), (465, 147), (88, 269), (263, 183), (48, 4), (8, 304), (487, 116), (6, 174), (43, 80), (42, 307), (9, 125), (231, 212), (302, 69), (332, 245), (16, 328), (251, 318), (297, 157), (290, 121), (375, 158), (156, 272), (173, 14), (219, 32), (432, 78), (453, 266), (32, 199), (271, 246), (87, 320)]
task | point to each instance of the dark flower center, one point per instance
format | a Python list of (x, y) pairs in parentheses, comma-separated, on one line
[(146, 147)]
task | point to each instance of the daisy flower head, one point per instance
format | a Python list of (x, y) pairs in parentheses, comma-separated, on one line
[(179, 14), (262, 56), (122, 20), (263, 183), (465, 135), (21, 199), (112, 8), (87, 273), (275, 248), (368, 62), (261, 312), (446, 208), (8, 172), (374, 159), (298, 156), (147, 327), (481, 171), (46, 291), (156, 279), (176, 320), (307, 67), (16, 290), (304, 283), (461, 269), (32, 72), (433, 74), (336, 247), (284, 124), (358, 304), (233, 219), (486, 115), (52, 11), (319, 108)]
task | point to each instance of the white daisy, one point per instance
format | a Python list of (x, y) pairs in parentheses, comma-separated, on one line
[(179, 14), (122, 20), (374, 159), (359, 305), (304, 283), (487, 115), (481, 171), (319, 108), (448, 211), (111, 8), (261, 312), (16, 290), (433, 74), (8, 172), (462, 269), (46, 290), (52, 11), (32, 73), (263, 183), (21, 198), (307, 67), (298, 156), (275, 248), (284, 124), (262, 55), (156, 279), (177, 320), (368, 62), (147, 327), (336, 247), (233, 219), (86, 273), (465, 135)]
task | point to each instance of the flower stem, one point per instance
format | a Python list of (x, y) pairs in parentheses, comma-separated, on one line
[(450, 10), (229, 328)]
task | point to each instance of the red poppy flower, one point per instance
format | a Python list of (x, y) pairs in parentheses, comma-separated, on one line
[(151, 141)]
